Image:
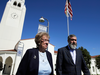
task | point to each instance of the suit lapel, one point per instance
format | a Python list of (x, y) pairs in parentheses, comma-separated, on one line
[(69, 55), (77, 55), (48, 57), (37, 59)]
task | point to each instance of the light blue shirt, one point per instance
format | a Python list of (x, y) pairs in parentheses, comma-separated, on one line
[(44, 66), (73, 54)]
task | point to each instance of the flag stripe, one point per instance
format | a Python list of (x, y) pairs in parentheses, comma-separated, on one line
[(68, 9), (66, 5)]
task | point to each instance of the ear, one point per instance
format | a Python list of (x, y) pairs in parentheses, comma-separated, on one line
[(68, 41), (39, 44)]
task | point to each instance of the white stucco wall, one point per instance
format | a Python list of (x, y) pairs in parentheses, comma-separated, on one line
[(28, 43), (10, 27), (55, 56), (8, 58), (94, 70)]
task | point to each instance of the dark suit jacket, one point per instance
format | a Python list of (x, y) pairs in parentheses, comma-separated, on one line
[(65, 64), (30, 62)]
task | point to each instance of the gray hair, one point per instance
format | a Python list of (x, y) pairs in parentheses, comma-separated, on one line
[(72, 35), (39, 36)]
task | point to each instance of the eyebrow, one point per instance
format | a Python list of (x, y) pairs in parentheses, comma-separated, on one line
[(73, 39)]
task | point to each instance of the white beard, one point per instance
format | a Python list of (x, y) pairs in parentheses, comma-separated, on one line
[(73, 46)]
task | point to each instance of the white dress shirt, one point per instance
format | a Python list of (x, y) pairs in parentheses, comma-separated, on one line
[(44, 66), (73, 54)]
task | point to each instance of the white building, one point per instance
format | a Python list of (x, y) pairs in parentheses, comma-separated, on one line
[(12, 24), (94, 70)]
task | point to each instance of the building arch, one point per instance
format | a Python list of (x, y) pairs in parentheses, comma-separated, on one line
[(7, 65), (1, 65), (1, 59)]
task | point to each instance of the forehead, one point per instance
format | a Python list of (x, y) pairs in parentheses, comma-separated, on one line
[(45, 36), (73, 38)]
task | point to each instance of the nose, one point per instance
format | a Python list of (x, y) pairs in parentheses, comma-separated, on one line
[(73, 42), (47, 42)]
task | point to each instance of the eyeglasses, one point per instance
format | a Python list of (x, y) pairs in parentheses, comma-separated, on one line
[(44, 40)]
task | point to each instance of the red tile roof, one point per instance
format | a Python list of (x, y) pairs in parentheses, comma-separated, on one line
[(94, 56), (55, 51), (9, 50)]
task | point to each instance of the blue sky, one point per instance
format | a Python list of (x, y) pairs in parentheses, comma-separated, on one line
[(85, 23)]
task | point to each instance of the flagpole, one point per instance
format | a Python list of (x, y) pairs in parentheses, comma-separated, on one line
[(68, 23), (68, 12), (67, 18)]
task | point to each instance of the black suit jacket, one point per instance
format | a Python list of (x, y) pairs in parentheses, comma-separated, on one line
[(29, 64), (65, 64)]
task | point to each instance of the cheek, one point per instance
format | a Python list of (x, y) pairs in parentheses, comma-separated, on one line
[(75, 42), (43, 43), (71, 42)]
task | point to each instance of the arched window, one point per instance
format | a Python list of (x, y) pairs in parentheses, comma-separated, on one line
[(1, 65), (15, 3), (93, 69), (19, 4)]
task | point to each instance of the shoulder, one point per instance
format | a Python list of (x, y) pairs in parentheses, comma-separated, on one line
[(79, 51), (48, 52), (32, 50), (63, 48)]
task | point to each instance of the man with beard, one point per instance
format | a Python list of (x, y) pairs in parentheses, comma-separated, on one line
[(70, 60)]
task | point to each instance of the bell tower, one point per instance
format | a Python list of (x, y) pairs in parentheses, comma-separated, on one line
[(12, 24)]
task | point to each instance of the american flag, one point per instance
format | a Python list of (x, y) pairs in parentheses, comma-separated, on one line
[(68, 9)]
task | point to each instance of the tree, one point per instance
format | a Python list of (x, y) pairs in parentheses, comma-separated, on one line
[(86, 56), (98, 62)]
